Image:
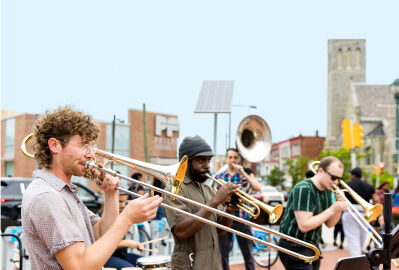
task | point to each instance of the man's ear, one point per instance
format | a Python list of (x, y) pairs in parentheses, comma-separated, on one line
[(54, 145)]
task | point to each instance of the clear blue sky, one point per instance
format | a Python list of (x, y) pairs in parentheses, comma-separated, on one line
[(105, 57)]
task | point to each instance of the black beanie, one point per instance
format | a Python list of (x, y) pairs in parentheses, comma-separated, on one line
[(193, 147)]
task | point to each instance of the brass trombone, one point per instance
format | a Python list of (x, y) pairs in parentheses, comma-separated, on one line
[(273, 212), (371, 211), (172, 176), (148, 168)]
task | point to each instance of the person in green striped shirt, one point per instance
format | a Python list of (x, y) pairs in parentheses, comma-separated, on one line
[(310, 205)]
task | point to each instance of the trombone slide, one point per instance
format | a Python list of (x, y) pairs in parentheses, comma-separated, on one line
[(307, 259)]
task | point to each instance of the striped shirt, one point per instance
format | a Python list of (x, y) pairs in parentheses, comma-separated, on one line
[(237, 180), (305, 197)]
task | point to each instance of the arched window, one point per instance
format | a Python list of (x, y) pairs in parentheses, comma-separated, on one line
[(358, 59), (349, 59), (339, 59)]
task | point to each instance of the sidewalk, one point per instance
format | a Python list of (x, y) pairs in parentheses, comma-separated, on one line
[(328, 262), (330, 253)]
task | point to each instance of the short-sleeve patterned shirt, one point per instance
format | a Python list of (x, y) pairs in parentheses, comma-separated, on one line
[(305, 197), (54, 217), (237, 180)]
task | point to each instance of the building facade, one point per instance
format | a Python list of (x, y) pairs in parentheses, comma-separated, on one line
[(371, 106), (125, 139), (306, 146)]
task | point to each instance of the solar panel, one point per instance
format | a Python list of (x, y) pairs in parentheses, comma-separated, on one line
[(215, 97)]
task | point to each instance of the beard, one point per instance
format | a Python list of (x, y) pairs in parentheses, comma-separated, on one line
[(197, 176)]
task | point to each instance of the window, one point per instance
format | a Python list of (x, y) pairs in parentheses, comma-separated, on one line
[(9, 169), (296, 149), (349, 59), (10, 136), (121, 145), (339, 60)]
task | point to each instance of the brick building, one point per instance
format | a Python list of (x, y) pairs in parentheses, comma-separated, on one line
[(162, 133), (305, 146)]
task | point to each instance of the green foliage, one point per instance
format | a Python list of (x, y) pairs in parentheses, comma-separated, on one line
[(344, 155), (297, 168), (276, 176), (384, 176)]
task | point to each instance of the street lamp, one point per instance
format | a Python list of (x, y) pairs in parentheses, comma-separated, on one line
[(237, 105)]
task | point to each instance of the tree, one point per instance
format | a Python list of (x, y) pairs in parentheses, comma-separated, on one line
[(297, 168), (276, 176), (344, 155)]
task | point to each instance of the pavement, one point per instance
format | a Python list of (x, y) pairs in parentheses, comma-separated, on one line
[(331, 254)]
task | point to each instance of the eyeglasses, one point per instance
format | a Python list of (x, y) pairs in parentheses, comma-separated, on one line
[(333, 177), (85, 148)]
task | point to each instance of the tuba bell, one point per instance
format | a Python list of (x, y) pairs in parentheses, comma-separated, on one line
[(254, 139)]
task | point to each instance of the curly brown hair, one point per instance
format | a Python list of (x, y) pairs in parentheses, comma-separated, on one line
[(62, 123)]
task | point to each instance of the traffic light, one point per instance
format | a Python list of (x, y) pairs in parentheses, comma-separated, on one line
[(347, 133), (357, 135), (217, 165), (376, 171)]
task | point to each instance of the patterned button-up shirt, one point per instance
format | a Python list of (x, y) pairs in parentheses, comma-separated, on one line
[(237, 180), (54, 217)]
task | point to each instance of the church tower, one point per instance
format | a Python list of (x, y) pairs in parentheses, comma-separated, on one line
[(346, 64)]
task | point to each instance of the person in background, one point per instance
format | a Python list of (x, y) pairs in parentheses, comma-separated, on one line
[(134, 187), (379, 222), (159, 184), (383, 188), (236, 174), (395, 206), (121, 258), (355, 234), (339, 229)]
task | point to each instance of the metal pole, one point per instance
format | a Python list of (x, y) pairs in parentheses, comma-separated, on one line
[(214, 142), (113, 140), (396, 137), (145, 133), (229, 130)]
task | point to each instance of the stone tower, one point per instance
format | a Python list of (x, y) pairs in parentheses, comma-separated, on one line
[(346, 64)]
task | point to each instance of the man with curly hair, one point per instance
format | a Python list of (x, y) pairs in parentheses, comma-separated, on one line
[(61, 232)]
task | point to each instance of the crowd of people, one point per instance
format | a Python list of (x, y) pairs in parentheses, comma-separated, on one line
[(62, 233)]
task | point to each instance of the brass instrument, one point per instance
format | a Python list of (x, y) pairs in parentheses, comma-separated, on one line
[(172, 176), (253, 142), (273, 212), (254, 139), (371, 211), (157, 169)]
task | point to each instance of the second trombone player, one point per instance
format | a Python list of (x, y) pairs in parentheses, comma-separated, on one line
[(309, 206)]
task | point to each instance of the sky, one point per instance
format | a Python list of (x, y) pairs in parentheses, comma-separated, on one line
[(106, 57)]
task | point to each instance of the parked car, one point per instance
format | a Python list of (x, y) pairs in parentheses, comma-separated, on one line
[(12, 189), (270, 195)]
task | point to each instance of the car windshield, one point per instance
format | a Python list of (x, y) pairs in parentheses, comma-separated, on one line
[(15, 188)]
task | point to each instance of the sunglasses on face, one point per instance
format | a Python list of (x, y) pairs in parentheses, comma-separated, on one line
[(333, 177)]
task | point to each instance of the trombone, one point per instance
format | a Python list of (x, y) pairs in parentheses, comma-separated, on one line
[(273, 212), (150, 168), (371, 211), (172, 176)]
